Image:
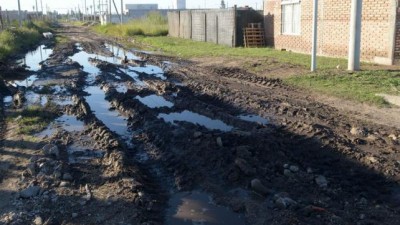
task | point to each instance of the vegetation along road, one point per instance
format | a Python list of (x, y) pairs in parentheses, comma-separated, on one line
[(180, 132)]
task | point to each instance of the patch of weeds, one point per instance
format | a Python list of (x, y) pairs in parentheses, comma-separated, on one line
[(34, 119)]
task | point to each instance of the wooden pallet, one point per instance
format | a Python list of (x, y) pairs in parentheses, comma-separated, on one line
[(254, 37)]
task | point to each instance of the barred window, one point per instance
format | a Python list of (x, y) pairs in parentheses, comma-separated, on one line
[(291, 15)]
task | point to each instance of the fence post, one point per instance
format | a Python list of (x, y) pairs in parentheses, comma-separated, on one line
[(205, 27), (234, 26)]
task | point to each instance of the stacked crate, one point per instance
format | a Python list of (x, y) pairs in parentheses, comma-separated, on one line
[(254, 35)]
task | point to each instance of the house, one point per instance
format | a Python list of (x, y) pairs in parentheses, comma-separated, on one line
[(288, 25)]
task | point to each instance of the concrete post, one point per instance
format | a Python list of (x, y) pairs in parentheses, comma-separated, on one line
[(315, 37), (94, 10), (41, 6), (122, 11), (37, 10), (19, 14), (355, 36)]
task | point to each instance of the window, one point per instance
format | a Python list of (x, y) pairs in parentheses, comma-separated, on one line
[(291, 17)]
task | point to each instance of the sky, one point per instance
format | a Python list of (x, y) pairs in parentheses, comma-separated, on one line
[(63, 5)]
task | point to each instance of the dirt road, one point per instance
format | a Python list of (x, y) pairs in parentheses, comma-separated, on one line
[(159, 140)]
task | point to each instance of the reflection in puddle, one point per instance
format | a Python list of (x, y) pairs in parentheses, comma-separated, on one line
[(36, 99), (254, 118), (197, 208), (27, 82), (7, 100), (155, 101), (121, 88), (65, 122), (196, 119), (79, 154), (33, 58), (150, 70), (120, 52), (100, 107)]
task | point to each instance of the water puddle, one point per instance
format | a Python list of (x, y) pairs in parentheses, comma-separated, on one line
[(101, 108), (254, 118), (63, 100), (80, 154), (121, 88), (196, 208), (7, 100), (120, 53), (65, 122), (195, 118), (36, 99), (149, 70), (155, 101), (134, 76), (29, 81), (34, 58)]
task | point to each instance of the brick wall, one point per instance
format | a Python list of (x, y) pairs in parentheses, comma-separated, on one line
[(333, 28)]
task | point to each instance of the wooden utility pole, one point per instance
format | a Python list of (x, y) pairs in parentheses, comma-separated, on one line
[(41, 7), (37, 10)]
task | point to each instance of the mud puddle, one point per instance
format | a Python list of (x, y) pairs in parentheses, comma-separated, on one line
[(28, 82), (36, 99), (79, 154), (155, 101), (197, 208), (65, 122), (34, 58), (254, 118), (101, 108), (195, 118)]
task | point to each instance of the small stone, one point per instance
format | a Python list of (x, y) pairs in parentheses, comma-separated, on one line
[(362, 216), (67, 177), (219, 142), (372, 159), (321, 181), (285, 202), (74, 215), (294, 169), (244, 166), (287, 172), (64, 184), (258, 187), (393, 137), (197, 134), (357, 131), (286, 166), (309, 170), (50, 150), (38, 221), (30, 192)]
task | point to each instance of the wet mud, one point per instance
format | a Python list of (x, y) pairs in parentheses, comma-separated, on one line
[(157, 140)]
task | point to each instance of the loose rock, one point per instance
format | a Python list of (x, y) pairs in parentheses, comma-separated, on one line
[(30, 192), (321, 181), (258, 187)]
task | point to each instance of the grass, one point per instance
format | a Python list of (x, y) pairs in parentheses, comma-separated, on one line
[(361, 86), (14, 40), (34, 119), (154, 24)]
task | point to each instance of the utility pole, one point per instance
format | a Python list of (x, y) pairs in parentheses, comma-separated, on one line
[(41, 6), (94, 10), (122, 11), (355, 35), (37, 10), (19, 14), (109, 8), (315, 37), (85, 12)]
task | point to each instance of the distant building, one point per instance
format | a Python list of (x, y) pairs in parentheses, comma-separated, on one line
[(223, 6), (135, 7), (179, 4)]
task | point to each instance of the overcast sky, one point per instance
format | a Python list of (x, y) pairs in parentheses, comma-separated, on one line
[(64, 5)]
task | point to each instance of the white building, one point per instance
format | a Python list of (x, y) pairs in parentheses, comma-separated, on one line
[(179, 4), (134, 7)]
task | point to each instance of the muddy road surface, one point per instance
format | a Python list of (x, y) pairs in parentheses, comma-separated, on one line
[(157, 140)]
